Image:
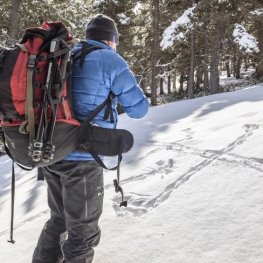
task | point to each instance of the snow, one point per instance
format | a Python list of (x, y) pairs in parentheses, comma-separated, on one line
[(124, 20), (193, 182), (257, 12), (170, 34), (244, 39), (97, 2), (137, 8)]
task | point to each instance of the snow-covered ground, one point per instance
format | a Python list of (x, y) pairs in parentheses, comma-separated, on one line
[(232, 84), (193, 181)]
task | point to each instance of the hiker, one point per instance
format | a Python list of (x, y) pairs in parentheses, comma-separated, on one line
[(75, 184)]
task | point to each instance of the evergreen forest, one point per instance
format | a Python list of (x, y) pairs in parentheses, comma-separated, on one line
[(180, 44)]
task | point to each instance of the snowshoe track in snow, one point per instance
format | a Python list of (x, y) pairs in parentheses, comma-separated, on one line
[(141, 204)]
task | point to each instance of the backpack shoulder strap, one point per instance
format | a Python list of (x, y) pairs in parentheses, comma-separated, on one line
[(86, 49), (108, 111)]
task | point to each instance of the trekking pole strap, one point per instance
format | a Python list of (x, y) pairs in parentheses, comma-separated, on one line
[(116, 183)]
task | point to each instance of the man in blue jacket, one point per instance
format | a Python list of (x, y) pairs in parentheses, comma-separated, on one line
[(75, 185)]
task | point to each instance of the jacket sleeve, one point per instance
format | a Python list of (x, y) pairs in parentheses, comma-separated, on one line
[(124, 86)]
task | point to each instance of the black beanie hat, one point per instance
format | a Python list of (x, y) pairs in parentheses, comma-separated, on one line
[(102, 27)]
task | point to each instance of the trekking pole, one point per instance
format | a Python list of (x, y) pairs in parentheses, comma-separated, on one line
[(36, 147), (48, 146), (12, 205)]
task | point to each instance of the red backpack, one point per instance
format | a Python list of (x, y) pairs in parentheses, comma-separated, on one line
[(35, 96), (36, 105), (37, 123)]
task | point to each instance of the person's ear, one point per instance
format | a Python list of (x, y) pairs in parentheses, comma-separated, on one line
[(112, 44)]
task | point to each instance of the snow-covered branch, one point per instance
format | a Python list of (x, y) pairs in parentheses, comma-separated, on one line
[(245, 41), (173, 33)]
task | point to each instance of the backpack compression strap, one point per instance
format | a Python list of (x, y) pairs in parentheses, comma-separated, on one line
[(28, 126)]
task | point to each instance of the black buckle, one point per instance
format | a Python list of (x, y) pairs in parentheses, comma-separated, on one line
[(111, 96), (32, 61), (85, 145)]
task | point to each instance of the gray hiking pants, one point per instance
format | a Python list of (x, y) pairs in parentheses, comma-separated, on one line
[(75, 198)]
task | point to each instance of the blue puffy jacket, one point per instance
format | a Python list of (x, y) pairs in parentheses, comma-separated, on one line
[(104, 71)]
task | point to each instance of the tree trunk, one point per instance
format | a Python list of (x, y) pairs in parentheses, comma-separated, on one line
[(220, 68), (14, 20), (174, 81), (155, 52), (238, 67), (143, 87), (206, 50), (181, 88), (235, 65), (161, 86), (169, 82), (246, 62), (198, 78), (228, 70), (259, 68), (228, 67), (231, 67), (215, 54), (192, 65)]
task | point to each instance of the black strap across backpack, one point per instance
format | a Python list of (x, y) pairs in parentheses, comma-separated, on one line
[(37, 122)]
